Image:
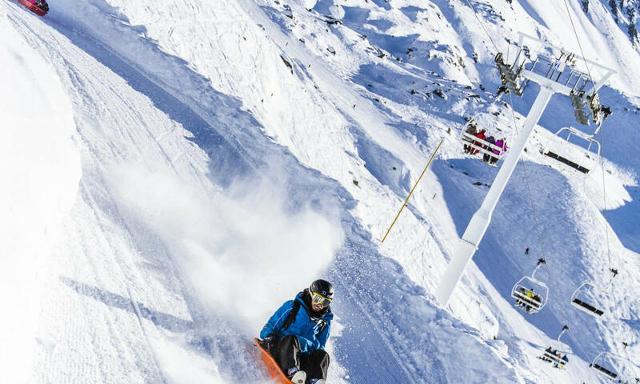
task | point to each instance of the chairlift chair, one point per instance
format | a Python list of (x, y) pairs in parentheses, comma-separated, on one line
[(583, 299), (567, 153), (530, 294), (605, 364), (479, 146), (553, 355), (474, 145)]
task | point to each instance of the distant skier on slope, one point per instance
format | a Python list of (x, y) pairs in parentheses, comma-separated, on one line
[(297, 333)]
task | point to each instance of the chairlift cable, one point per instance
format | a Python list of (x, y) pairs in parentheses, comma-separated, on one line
[(604, 198), (496, 99), (589, 288), (526, 177), (575, 32), (482, 26), (513, 115), (515, 124), (536, 223), (532, 304)]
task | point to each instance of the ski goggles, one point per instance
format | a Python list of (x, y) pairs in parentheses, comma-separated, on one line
[(317, 298)]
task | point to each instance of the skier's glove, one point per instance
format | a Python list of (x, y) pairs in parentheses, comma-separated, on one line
[(268, 342)]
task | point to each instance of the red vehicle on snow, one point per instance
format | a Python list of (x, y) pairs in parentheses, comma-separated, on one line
[(39, 7)]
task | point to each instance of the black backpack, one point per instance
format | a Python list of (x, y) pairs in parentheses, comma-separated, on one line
[(268, 344), (291, 317)]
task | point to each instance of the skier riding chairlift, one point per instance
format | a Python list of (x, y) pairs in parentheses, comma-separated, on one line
[(39, 7), (525, 294), (554, 355), (527, 299), (469, 135), (488, 157), (476, 141)]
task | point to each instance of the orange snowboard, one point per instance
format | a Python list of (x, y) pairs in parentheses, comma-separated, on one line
[(272, 367)]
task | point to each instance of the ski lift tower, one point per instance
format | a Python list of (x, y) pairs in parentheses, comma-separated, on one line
[(556, 71)]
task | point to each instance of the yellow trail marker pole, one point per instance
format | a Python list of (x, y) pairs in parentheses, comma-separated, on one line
[(406, 201)]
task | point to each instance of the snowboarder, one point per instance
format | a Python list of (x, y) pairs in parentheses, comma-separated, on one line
[(526, 251), (297, 333)]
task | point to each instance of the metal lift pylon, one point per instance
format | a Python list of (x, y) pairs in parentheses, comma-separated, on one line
[(554, 76)]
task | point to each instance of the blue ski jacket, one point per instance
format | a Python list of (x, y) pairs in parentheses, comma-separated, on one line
[(311, 329)]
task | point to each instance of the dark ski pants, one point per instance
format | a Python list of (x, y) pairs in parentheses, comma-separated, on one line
[(286, 352)]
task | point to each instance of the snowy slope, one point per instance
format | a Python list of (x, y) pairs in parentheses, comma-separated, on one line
[(224, 145), (38, 155)]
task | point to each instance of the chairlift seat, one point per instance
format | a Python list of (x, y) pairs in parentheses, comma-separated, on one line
[(566, 161), (584, 306), (522, 296), (608, 365), (583, 300), (556, 357), (482, 146), (530, 293), (602, 370), (564, 151)]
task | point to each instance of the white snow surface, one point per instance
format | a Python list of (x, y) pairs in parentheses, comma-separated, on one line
[(175, 170)]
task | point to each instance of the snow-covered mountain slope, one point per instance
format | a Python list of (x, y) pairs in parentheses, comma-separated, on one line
[(37, 155), (200, 162)]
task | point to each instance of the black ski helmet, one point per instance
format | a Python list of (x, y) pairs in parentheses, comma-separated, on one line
[(322, 287)]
